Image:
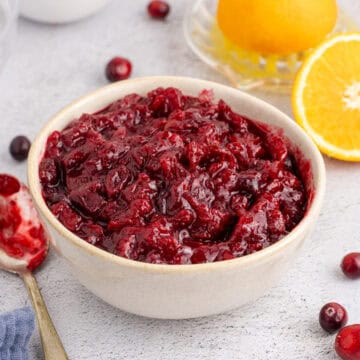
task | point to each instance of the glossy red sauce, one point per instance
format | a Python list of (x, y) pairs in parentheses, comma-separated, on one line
[(22, 235), (170, 178)]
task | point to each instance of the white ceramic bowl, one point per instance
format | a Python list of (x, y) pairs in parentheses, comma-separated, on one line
[(178, 291), (60, 11)]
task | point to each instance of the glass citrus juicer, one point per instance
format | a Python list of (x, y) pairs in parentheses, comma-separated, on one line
[(245, 69)]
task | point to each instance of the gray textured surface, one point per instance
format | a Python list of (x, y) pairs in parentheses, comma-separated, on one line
[(52, 65)]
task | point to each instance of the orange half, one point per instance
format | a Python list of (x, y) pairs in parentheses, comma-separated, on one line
[(326, 96)]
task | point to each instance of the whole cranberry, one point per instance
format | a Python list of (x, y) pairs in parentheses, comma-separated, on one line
[(158, 9), (118, 68), (350, 265), (19, 147), (332, 317), (347, 343)]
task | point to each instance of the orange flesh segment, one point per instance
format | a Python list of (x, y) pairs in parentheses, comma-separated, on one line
[(327, 97)]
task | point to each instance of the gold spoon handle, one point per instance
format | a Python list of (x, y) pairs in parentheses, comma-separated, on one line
[(52, 346)]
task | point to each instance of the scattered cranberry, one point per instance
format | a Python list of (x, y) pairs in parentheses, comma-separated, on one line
[(118, 68), (347, 343), (19, 147), (8, 185), (350, 265), (332, 317), (158, 9)]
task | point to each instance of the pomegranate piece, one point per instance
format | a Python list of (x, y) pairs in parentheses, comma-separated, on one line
[(118, 68), (332, 317), (158, 9), (19, 148), (168, 178), (347, 343), (350, 265), (22, 235)]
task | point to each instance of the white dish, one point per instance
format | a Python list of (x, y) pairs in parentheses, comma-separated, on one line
[(178, 291), (61, 11), (8, 20)]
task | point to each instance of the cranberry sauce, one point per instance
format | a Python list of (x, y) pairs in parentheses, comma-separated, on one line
[(174, 179), (22, 235)]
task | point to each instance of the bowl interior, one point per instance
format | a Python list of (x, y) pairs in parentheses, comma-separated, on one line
[(240, 102)]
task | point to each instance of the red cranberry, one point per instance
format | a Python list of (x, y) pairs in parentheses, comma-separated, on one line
[(8, 185), (350, 265), (19, 148), (158, 9), (118, 68), (332, 317), (347, 343)]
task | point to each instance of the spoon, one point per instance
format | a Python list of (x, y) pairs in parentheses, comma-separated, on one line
[(24, 245)]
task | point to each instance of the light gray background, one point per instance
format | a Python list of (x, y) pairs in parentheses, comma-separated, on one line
[(53, 65)]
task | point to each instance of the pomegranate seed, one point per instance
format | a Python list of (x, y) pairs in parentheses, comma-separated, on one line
[(350, 265), (158, 9), (8, 185), (347, 343), (19, 147), (332, 317), (118, 68)]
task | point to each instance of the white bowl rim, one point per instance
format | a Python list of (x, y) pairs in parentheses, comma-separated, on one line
[(254, 258)]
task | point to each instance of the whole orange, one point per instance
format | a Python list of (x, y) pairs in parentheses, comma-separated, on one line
[(276, 26)]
